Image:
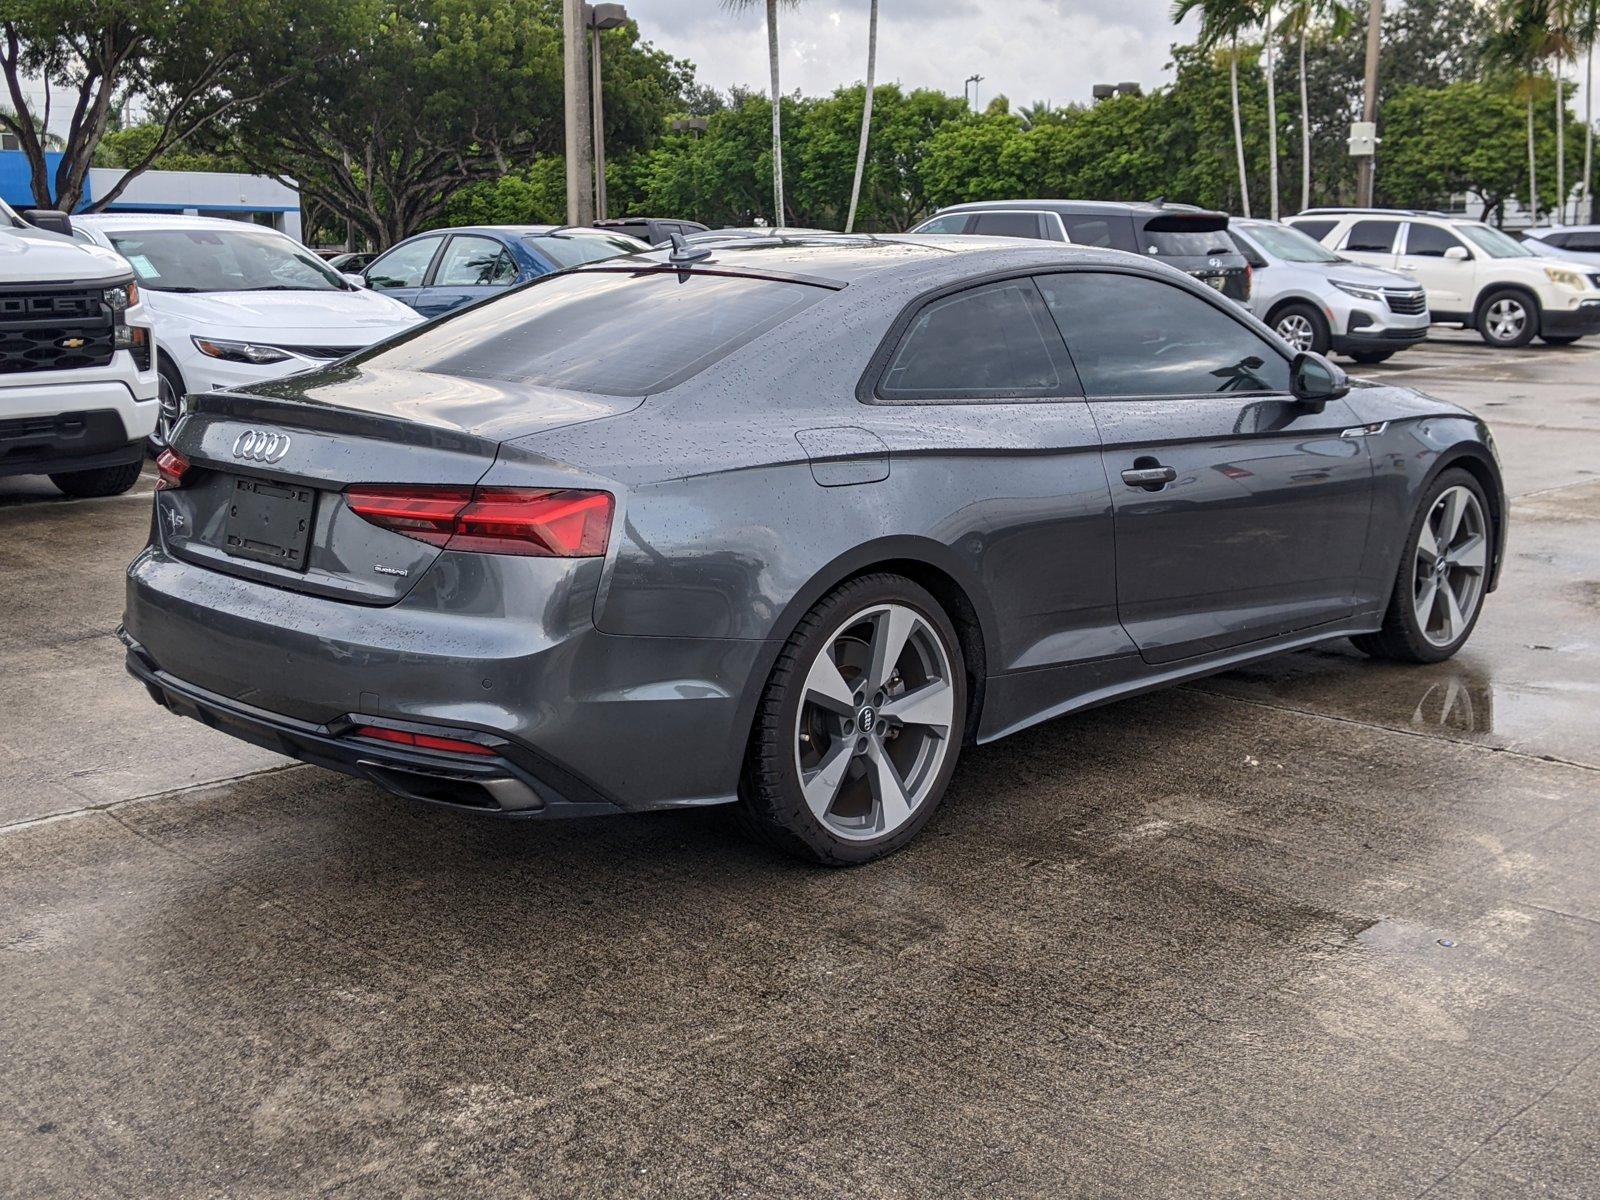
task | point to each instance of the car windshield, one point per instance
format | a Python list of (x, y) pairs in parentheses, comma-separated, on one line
[(1494, 243), (222, 260), (1288, 244), (616, 332), (1185, 243), (572, 249)]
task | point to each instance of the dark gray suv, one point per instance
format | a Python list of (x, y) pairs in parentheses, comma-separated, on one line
[(1194, 240), (786, 524)]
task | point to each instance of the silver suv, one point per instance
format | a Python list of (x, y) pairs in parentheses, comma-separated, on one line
[(1316, 300)]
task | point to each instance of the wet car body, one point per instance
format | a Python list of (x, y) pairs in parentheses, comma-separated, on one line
[(742, 494)]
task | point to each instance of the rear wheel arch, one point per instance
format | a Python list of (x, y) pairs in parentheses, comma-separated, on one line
[(1476, 460)]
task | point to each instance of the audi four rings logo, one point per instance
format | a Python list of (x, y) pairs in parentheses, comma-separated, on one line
[(261, 445)]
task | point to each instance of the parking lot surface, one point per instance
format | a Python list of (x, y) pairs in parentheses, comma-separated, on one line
[(1322, 927)]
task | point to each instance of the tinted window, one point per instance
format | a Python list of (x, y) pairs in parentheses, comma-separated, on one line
[(1372, 237), (474, 262), (1429, 241), (1556, 239), (1116, 233), (1317, 228), (949, 223), (617, 333), (404, 266), (1024, 225), (1131, 336), (1584, 243), (1185, 243), (222, 260), (992, 342)]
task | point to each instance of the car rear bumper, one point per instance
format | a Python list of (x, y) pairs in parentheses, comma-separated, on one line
[(585, 721), (1571, 322)]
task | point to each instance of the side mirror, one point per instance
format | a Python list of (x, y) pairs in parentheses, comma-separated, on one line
[(1457, 254), (51, 220), (355, 280), (1315, 380)]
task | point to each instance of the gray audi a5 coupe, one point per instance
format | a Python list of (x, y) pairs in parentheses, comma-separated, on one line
[(784, 524)]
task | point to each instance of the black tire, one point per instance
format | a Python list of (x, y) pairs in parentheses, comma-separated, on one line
[(1311, 323), (1559, 339), (772, 805), (1371, 357), (171, 390), (1486, 318), (1401, 638), (102, 481)]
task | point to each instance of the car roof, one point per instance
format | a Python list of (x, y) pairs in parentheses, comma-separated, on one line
[(837, 259), (112, 222), (1085, 207)]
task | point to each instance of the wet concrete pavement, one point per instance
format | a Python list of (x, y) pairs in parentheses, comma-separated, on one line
[(1317, 928)]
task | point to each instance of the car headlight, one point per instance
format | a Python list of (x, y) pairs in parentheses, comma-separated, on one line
[(1562, 277), (122, 297), (1359, 291), (245, 352)]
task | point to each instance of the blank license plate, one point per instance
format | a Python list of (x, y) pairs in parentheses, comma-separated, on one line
[(270, 522)]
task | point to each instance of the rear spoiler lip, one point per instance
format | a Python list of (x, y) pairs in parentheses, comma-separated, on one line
[(334, 419)]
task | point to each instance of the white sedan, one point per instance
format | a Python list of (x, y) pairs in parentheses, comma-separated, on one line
[(235, 303)]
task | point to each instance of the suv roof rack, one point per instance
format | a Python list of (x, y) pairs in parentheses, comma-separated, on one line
[(1341, 209)]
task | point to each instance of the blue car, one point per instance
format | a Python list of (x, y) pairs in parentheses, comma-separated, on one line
[(443, 269)]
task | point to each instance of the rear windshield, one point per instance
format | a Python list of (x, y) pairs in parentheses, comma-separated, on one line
[(575, 249), (616, 333), (1184, 243)]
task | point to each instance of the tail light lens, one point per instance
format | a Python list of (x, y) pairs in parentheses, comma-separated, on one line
[(422, 741), (1249, 280), (171, 467), (561, 523)]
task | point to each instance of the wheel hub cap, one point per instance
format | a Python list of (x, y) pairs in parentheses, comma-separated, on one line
[(1452, 558)]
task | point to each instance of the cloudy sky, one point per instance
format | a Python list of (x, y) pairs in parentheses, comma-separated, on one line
[(1029, 49)]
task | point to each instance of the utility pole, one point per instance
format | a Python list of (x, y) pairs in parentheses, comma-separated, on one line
[(1369, 109), (579, 147)]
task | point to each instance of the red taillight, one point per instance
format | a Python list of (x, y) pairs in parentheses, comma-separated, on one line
[(547, 523), (422, 741), (170, 469), (1249, 280)]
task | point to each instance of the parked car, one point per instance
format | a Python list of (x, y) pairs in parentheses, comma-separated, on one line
[(1315, 300), (1476, 276), (629, 538), (352, 262), (236, 303), (653, 231), (442, 270), (1578, 242), (1191, 239), (77, 369)]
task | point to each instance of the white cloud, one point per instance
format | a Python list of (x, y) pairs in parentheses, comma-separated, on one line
[(1029, 49)]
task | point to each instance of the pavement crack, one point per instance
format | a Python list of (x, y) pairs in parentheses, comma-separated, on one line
[(111, 806)]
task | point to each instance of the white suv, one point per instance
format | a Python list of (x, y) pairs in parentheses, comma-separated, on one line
[(1475, 275), (77, 360)]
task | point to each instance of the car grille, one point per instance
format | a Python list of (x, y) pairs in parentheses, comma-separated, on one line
[(1411, 304), (54, 330)]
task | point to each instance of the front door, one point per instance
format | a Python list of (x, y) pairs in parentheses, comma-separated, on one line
[(1443, 264), (401, 272), (1239, 513)]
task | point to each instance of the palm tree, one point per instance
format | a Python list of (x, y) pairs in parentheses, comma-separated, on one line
[(1224, 20), (866, 114), (1272, 113), (777, 96), (1559, 45), (1298, 20), (1586, 32), (1519, 40)]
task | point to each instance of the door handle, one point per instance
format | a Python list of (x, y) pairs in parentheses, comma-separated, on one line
[(1151, 479)]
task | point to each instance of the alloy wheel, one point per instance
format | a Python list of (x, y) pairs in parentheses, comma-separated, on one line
[(1296, 330), (1450, 566), (167, 416), (874, 725), (1507, 317)]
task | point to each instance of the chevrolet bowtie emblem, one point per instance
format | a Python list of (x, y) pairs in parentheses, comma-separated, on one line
[(73, 343)]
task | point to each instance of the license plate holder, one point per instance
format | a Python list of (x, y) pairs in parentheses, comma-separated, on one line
[(270, 522)]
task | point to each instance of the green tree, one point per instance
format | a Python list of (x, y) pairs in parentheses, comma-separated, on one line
[(775, 111), (866, 113), (191, 65), (1222, 21), (972, 159)]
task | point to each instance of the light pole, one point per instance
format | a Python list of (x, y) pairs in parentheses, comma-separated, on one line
[(575, 79), (1363, 135), (972, 81), (600, 17)]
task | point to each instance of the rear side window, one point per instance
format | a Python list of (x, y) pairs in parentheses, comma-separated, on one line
[(1114, 233), (994, 342), (474, 262), (1372, 237), (1003, 224), (618, 333), (1318, 228), (1132, 336)]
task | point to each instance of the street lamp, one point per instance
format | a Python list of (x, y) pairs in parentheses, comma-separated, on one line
[(600, 17), (694, 125), (972, 81), (1104, 91)]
